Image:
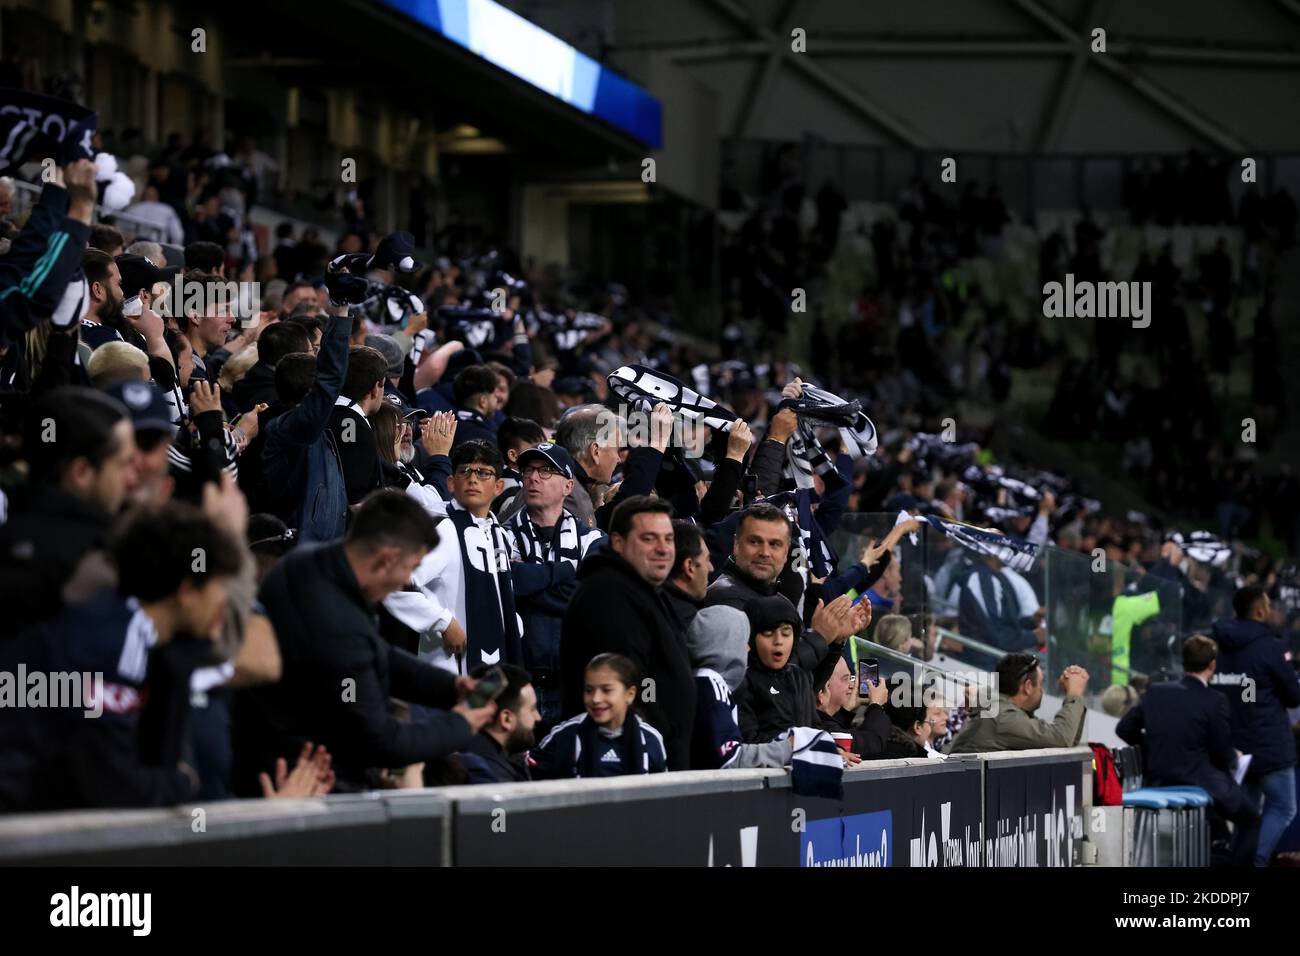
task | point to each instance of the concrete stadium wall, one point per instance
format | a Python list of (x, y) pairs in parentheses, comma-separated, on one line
[(1014, 809)]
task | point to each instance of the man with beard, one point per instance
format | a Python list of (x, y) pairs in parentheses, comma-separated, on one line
[(428, 485), (759, 554), (495, 755), (104, 320)]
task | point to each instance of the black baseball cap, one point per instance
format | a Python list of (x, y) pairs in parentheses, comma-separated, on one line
[(553, 454), (144, 400), (139, 273), (406, 411)]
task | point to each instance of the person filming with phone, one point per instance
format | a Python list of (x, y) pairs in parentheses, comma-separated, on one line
[(838, 700), (1011, 724), (497, 752)]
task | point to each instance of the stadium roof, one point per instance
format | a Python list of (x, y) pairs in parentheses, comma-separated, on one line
[(998, 75)]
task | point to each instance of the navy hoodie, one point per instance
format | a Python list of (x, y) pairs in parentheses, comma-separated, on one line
[(1260, 727)]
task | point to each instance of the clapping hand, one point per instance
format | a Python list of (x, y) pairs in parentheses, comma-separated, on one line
[(312, 776), (438, 433)]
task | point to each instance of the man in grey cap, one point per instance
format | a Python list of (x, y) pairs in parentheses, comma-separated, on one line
[(391, 350)]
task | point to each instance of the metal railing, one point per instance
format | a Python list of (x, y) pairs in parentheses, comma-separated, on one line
[(1112, 618)]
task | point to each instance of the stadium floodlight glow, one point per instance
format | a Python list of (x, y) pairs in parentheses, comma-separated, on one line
[(525, 50)]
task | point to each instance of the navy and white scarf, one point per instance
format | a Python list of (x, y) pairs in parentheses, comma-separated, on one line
[(482, 329), (566, 331), (491, 628), (805, 455), (568, 541), (816, 765), (1202, 546), (992, 480), (1003, 515), (928, 448), (423, 341), (643, 388), (1015, 553), (798, 507)]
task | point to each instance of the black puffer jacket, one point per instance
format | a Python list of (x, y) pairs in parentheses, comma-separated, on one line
[(769, 702)]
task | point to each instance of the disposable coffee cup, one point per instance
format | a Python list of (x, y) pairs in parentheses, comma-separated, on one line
[(845, 742)]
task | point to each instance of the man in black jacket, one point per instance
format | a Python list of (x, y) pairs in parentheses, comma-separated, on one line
[(80, 450), (1259, 681), (689, 581), (619, 608), (1186, 740), (362, 394), (760, 551), (496, 754), (338, 672)]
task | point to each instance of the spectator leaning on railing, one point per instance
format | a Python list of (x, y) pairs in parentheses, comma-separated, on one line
[(338, 672), (1012, 725)]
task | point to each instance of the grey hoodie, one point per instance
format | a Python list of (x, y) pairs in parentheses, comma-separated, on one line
[(718, 638), (718, 643)]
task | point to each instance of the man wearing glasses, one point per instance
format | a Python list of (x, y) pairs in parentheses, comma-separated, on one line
[(1011, 724), (546, 543), (466, 577)]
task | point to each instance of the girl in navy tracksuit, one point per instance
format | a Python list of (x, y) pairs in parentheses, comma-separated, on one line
[(608, 740)]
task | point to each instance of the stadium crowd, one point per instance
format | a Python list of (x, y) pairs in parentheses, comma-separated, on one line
[(404, 524)]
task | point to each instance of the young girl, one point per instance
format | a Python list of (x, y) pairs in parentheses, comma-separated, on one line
[(608, 740)]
